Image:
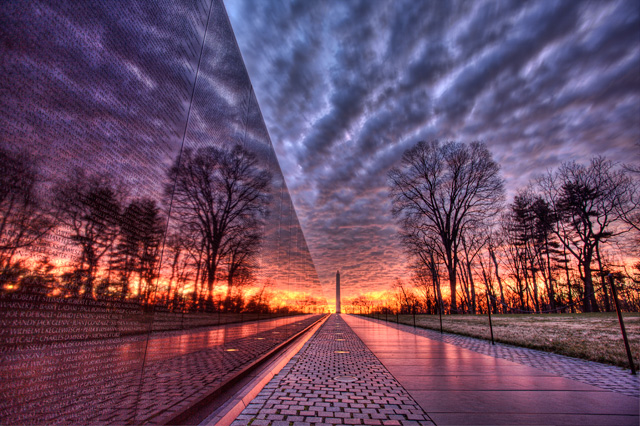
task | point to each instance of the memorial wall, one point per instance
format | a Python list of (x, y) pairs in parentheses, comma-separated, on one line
[(149, 248)]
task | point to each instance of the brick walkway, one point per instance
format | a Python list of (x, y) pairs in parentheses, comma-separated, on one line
[(604, 376), (310, 390)]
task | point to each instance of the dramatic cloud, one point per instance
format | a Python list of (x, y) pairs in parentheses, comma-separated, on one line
[(346, 87)]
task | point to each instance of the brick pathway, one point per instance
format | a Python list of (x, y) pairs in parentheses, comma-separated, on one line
[(310, 390), (604, 376)]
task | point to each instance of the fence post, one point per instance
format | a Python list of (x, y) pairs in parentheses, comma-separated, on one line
[(490, 323), (624, 331), (440, 313)]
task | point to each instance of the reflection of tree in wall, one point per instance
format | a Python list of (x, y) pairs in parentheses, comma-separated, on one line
[(241, 248), (24, 218), (90, 207), (119, 244), (222, 194), (137, 250)]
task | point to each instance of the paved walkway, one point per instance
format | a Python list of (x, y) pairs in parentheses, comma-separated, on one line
[(604, 376), (334, 379), (457, 386), (399, 376)]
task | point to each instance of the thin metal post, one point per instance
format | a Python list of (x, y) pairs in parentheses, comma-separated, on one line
[(490, 323), (624, 331), (440, 312)]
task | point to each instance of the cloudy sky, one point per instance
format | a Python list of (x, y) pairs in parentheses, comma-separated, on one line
[(346, 87)]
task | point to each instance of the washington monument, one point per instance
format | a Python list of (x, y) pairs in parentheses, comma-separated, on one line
[(338, 292)]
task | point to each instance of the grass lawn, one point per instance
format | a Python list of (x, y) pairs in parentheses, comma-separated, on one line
[(595, 337)]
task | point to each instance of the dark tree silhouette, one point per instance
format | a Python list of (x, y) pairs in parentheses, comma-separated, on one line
[(423, 248), (216, 189), (175, 248), (140, 234), (588, 200), (90, 207), (126, 253), (241, 248), (531, 221), (444, 189), (24, 219), (473, 240)]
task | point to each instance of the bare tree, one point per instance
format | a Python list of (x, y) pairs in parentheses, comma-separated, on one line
[(174, 248), (472, 242), (149, 232), (212, 189), (90, 207), (241, 248), (423, 248), (404, 297), (24, 219), (444, 189), (514, 257), (588, 200), (494, 241)]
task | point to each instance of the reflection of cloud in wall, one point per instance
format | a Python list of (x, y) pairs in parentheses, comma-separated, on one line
[(107, 88)]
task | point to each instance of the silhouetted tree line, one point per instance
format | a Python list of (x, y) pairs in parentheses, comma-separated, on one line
[(550, 250), (208, 228)]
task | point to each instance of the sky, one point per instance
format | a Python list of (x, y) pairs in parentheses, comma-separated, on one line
[(346, 87)]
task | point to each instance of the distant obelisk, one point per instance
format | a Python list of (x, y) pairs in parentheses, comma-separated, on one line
[(338, 292)]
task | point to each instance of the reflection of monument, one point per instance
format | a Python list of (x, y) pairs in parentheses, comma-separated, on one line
[(338, 292)]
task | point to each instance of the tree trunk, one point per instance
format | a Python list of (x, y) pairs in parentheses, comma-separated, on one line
[(552, 293), (534, 285), (607, 305), (465, 303), (572, 308), (436, 282), (173, 273), (495, 264), (453, 308), (473, 288), (491, 301), (227, 299), (590, 303), (520, 289)]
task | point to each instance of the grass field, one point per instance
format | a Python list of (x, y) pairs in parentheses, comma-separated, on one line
[(594, 337)]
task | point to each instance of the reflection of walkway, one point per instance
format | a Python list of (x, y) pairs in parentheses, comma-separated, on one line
[(111, 380), (397, 370)]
